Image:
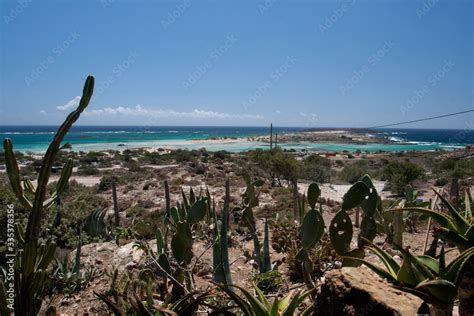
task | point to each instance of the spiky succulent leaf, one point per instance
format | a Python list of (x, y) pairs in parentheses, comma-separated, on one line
[(422, 272), (160, 242), (391, 264), (457, 267), (407, 274), (459, 221), (442, 290), (243, 305), (175, 215), (442, 219), (430, 262), (378, 270), (29, 187), (468, 212), (453, 237)]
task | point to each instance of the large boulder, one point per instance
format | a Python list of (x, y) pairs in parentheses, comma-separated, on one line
[(358, 291)]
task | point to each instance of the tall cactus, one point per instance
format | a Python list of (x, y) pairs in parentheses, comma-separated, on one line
[(32, 263), (220, 254), (116, 209)]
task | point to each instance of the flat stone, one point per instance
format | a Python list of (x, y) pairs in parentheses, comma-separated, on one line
[(358, 291)]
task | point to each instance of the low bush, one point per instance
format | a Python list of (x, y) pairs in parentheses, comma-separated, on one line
[(400, 174)]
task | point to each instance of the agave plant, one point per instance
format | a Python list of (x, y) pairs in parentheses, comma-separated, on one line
[(220, 250), (31, 263), (135, 296), (424, 276), (258, 305), (456, 227)]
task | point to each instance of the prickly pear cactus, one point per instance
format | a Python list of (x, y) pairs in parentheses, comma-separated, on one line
[(364, 195)]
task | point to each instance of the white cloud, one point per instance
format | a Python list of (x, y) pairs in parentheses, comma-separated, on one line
[(278, 112), (139, 111), (43, 112), (70, 104)]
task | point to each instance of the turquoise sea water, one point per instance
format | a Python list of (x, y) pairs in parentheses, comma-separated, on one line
[(86, 138)]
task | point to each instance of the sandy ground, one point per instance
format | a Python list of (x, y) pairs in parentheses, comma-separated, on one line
[(336, 191)]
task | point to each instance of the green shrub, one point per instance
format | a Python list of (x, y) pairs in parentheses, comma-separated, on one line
[(441, 182), (316, 168), (86, 170), (279, 164), (400, 174), (106, 182)]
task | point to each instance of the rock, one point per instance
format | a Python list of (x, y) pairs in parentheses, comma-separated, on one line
[(108, 254), (358, 291)]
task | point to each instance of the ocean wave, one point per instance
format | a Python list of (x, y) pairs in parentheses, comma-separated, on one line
[(424, 143), (396, 139), (27, 133), (453, 146), (106, 132), (173, 132)]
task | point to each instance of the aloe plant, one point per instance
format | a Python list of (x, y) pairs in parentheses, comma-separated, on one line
[(33, 261), (424, 276), (220, 253), (257, 304), (456, 227), (136, 297)]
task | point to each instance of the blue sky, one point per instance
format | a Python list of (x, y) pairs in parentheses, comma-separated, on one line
[(294, 63)]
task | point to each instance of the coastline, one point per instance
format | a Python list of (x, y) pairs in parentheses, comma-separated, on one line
[(318, 140)]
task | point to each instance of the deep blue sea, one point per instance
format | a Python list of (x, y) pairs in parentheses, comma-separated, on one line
[(37, 138)]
